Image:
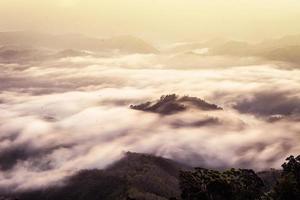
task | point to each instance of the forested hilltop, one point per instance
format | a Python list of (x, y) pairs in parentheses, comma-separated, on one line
[(146, 177)]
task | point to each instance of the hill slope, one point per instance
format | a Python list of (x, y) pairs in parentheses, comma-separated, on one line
[(136, 176)]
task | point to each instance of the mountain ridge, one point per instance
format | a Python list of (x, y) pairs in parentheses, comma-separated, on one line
[(124, 44)]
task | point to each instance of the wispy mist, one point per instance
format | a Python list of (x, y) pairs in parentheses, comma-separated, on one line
[(60, 114)]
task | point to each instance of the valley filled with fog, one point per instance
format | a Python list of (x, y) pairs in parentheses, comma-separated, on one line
[(65, 104)]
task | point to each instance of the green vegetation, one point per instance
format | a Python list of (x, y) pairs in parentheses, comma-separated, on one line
[(241, 184), (288, 186), (146, 177), (232, 184)]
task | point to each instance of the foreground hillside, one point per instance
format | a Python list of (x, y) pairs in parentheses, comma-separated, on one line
[(146, 177), (137, 176)]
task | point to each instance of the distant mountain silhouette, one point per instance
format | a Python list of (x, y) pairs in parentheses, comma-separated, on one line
[(124, 44), (278, 50), (288, 40), (286, 53), (21, 54), (286, 49), (70, 53)]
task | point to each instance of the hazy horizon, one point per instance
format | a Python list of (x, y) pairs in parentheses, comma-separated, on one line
[(192, 20)]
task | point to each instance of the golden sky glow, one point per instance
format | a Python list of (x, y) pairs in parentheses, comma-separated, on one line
[(157, 19)]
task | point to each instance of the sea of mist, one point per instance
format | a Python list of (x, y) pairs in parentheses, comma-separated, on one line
[(62, 114)]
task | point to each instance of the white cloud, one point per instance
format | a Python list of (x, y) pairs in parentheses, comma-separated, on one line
[(79, 118)]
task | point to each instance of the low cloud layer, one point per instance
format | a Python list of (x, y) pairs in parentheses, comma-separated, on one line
[(270, 103), (66, 114)]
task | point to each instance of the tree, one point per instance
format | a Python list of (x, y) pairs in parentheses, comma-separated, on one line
[(288, 186), (204, 184)]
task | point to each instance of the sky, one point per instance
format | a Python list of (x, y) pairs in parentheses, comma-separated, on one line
[(155, 19)]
